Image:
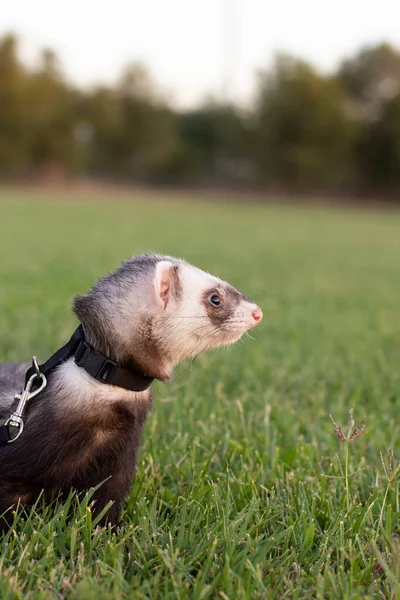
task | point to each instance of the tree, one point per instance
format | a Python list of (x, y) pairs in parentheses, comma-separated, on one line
[(371, 78), (213, 143), (146, 137), (377, 153), (133, 130), (51, 117), (302, 135), (13, 109)]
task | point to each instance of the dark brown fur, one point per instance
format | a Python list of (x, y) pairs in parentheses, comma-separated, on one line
[(76, 453)]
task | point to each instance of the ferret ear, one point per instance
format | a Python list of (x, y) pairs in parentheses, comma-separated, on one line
[(166, 282)]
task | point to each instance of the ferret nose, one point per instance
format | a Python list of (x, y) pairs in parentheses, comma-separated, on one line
[(257, 314)]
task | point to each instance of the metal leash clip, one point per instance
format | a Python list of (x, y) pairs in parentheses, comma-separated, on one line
[(16, 418)]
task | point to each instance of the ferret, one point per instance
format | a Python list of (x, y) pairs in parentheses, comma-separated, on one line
[(147, 316)]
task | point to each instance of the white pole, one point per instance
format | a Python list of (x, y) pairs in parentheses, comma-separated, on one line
[(231, 35)]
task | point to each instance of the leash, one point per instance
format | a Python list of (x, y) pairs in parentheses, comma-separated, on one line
[(95, 363)]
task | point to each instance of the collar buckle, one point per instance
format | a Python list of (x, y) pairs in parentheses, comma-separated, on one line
[(96, 364)]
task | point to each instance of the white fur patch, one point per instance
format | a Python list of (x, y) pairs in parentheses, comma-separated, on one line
[(81, 390)]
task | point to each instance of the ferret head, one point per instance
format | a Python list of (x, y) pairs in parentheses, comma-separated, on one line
[(155, 311)]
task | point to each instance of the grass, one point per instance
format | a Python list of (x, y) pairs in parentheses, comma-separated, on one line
[(243, 488)]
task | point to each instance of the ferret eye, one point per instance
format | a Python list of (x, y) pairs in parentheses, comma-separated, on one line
[(215, 300)]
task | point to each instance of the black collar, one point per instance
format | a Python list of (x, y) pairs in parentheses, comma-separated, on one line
[(95, 363)]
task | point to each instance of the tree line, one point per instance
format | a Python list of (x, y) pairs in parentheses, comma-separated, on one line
[(303, 130)]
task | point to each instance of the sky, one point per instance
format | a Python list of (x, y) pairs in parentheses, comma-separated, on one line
[(196, 48)]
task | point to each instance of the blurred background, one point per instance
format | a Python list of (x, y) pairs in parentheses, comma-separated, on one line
[(288, 97)]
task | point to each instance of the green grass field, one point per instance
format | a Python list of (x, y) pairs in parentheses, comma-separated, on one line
[(241, 489)]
